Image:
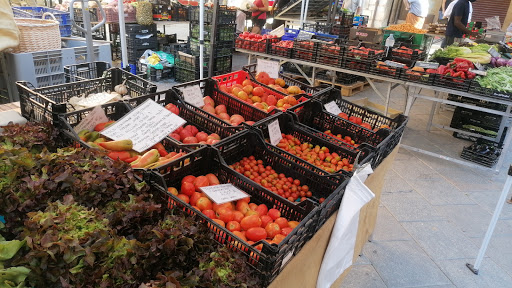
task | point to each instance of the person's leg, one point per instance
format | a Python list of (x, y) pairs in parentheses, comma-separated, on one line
[(255, 29), (419, 22), (448, 41)]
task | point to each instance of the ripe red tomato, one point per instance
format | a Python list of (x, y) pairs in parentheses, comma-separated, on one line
[(274, 213), (242, 206), (253, 206), (212, 179), (262, 209), (195, 196), (272, 230), (204, 203), (278, 238), (209, 213), (201, 181), (256, 234), (184, 198), (250, 222), (282, 222), (225, 214), (188, 188), (220, 222), (238, 216), (189, 178), (287, 230), (265, 219), (233, 226)]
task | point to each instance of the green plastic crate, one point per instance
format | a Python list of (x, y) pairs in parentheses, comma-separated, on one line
[(419, 41)]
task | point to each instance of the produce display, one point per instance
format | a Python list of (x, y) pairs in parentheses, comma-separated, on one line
[(255, 42), (280, 184), (248, 221), (316, 155), (253, 94), (406, 27), (499, 79), (477, 53), (106, 229), (122, 149), (220, 111), (459, 68), (406, 53), (363, 52)]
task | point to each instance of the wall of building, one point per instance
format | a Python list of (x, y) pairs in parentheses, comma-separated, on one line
[(508, 19)]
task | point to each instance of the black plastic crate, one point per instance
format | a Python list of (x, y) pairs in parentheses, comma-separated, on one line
[(134, 54), (45, 104), (319, 27), (417, 76), (113, 111), (330, 54), (464, 116), (475, 88), (346, 18), (341, 30), (376, 121), (138, 44), (133, 29), (79, 17), (289, 126), (310, 90), (305, 50), (455, 83), (483, 152), (98, 34), (477, 102), (275, 49), (85, 71), (220, 63), (250, 143), (362, 54), (225, 32), (262, 45), (224, 14), (221, 48), (179, 13), (268, 262), (357, 64), (380, 68), (209, 87), (403, 53)]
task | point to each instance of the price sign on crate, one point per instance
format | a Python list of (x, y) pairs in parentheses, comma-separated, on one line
[(494, 53), (96, 116), (145, 125), (332, 108), (426, 65), (193, 95), (269, 66), (223, 193), (274, 132)]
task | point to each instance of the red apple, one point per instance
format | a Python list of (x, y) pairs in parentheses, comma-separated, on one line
[(175, 136), (193, 129), (209, 100), (220, 109), (190, 140), (209, 108), (202, 136)]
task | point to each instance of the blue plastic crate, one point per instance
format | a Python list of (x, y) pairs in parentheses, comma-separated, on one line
[(65, 30), (64, 18)]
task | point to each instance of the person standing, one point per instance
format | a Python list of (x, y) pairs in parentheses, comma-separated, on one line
[(259, 15), (418, 10), (457, 23), (442, 9), (355, 6)]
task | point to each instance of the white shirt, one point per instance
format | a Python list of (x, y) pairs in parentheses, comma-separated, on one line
[(354, 4), (419, 7)]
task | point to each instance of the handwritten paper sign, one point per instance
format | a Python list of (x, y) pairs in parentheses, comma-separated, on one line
[(95, 117), (426, 65), (145, 125), (332, 108), (223, 193), (394, 64), (274, 132), (193, 95), (269, 66), (279, 31), (305, 35)]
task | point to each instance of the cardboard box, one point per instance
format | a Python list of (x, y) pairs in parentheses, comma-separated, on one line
[(372, 35), (364, 102)]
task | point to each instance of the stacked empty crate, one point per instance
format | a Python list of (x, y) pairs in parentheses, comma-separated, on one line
[(342, 25), (94, 15), (140, 38), (187, 64)]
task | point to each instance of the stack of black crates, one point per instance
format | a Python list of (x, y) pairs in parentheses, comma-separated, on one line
[(187, 62), (342, 25), (140, 38)]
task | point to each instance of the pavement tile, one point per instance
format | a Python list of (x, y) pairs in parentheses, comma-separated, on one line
[(410, 206), (473, 220), (361, 276), (490, 274), (441, 240), (403, 264), (388, 228), (413, 169), (499, 250), (394, 183), (488, 200), (438, 191)]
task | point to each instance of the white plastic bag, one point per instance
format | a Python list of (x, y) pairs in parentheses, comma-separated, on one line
[(340, 252), (9, 33), (493, 23)]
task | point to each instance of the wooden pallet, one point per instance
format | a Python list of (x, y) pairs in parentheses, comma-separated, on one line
[(348, 90)]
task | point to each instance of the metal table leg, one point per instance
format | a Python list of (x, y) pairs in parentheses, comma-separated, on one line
[(432, 110)]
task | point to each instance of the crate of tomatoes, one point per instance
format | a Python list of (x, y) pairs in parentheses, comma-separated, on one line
[(362, 57), (305, 50), (283, 48), (403, 52), (311, 148), (371, 123), (330, 53), (255, 42), (262, 92), (288, 81), (263, 227)]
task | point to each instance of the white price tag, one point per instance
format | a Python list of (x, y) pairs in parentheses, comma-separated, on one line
[(427, 65), (305, 35), (269, 66), (332, 108), (479, 66), (494, 53), (145, 125), (478, 72), (279, 31), (223, 193), (274, 132), (394, 64), (95, 117), (193, 95)]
